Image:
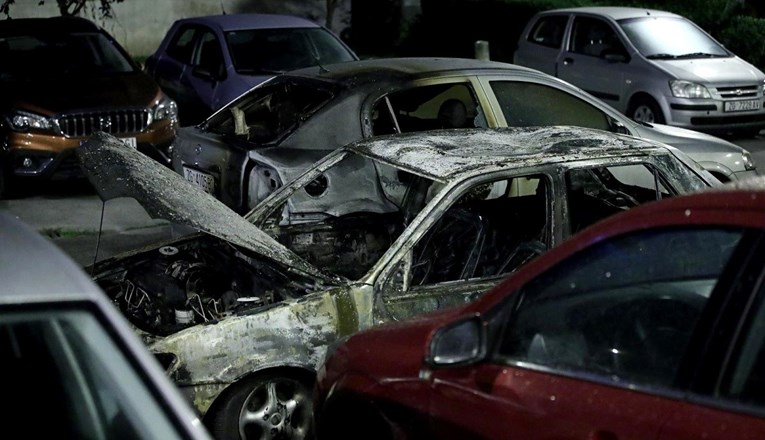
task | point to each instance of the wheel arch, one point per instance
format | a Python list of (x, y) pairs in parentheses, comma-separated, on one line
[(300, 372)]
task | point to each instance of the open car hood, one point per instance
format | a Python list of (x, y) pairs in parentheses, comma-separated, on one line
[(116, 170)]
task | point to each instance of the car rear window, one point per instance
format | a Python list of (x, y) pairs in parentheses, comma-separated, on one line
[(269, 113)]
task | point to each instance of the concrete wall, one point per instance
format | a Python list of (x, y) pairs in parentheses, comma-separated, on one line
[(139, 25)]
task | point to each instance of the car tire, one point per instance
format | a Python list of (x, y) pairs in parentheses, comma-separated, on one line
[(645, 109), (267, 406), (5, 184)]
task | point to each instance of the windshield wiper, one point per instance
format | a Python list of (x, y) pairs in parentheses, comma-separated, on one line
[(261, 70), (699, 55), (661, 56)]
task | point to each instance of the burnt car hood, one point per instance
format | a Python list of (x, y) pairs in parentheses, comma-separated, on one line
[(54, 95), (115, 171)]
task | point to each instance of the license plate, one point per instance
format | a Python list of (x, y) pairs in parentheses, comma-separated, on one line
[(130, 142), (204, 181), (742, 106)]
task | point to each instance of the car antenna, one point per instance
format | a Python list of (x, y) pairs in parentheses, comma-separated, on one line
[(222, 7)]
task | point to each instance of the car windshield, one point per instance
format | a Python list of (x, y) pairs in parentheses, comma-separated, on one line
[(670, 38), (49, 55), (280, 50)]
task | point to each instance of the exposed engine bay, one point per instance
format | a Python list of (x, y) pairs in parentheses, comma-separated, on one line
[(193, 281)]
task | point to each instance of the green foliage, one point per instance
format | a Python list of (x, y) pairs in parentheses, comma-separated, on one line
[(745, 36)]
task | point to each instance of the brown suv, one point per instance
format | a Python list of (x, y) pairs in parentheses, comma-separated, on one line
[(62, 79)]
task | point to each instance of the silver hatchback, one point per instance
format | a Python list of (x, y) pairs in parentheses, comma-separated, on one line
[(654, 66)]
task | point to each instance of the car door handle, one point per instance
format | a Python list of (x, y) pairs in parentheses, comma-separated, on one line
[(567, 61)]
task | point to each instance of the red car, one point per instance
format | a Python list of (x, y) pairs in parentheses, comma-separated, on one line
[(650, 325)]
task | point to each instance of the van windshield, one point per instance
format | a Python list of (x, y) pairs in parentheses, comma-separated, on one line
[(670, 38)]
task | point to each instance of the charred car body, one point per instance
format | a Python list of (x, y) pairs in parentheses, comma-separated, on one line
[(62, 79), (278, 129), (384, 229)]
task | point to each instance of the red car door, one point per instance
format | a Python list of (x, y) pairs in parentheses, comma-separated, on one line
[(500, 402)]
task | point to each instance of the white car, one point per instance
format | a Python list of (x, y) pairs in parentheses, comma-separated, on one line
[(278, 129), (654, 66)]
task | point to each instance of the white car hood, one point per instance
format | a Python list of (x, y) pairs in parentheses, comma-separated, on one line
[(708, 71), (115, 171), (689, 141)]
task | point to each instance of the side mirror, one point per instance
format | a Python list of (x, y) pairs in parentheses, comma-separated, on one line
[(460, 343)]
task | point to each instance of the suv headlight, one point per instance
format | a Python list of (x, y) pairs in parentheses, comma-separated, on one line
[(19, 120), (687, 89), (166, 108)]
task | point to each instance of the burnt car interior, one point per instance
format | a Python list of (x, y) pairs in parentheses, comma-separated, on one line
[(596, 193), (268, 115), (425, 108)]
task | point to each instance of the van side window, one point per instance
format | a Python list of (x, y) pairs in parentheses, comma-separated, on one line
[(595, 38), (548, 31)]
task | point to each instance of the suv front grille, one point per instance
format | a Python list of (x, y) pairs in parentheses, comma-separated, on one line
[(738, 92), (112, 122)]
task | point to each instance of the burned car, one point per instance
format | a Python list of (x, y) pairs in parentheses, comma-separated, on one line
[(278, 129), (241, 314)]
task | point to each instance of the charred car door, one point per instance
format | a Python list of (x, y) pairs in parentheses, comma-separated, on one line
[(489, 229)]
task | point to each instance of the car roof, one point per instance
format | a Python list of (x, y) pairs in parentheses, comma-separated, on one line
[(51, 25), (617, 12), (34, 270), (450, 154), (392, 69), (232, 22)]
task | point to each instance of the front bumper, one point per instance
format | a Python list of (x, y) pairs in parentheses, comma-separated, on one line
[(42, 155), (708, 115)]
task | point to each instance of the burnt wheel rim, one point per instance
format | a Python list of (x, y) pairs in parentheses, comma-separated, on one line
[(275, 409)]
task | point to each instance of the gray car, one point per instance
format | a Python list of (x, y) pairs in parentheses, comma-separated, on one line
[(274, 132), (384, 229), (72, 368), (652, 65)]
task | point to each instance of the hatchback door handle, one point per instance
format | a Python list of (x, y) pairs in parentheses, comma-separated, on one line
[(567, 61)]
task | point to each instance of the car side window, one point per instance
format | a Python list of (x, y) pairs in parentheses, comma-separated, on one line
[(182, 46), (623, 309), (67, 359), (598, 192), (491, 230), (548, 31), (432, 107), (526, 104), (208, 55), (596, 38), (745, 380)]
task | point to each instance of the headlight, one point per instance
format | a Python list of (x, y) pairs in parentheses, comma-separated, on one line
[(687, 89), (748, 161), (166, 109), (24, 121)]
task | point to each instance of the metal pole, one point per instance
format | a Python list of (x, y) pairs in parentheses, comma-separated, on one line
[(482, 50)]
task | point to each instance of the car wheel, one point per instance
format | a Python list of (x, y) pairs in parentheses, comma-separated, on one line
[(265, 407), (645, 109)]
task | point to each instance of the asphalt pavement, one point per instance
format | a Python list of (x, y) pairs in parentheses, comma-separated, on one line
[(71, 214)]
